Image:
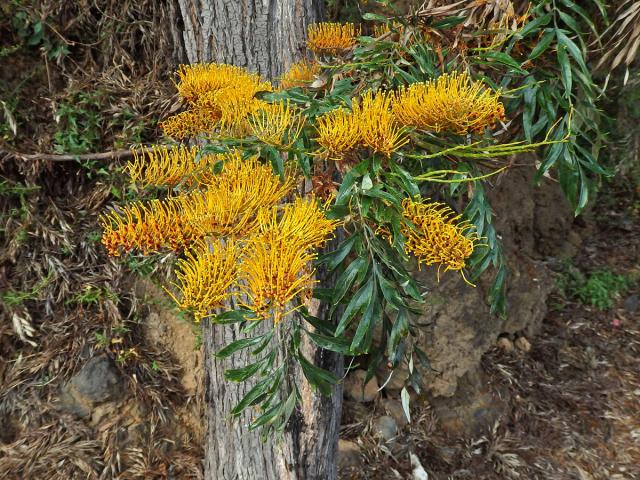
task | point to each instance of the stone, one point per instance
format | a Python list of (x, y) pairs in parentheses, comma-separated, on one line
[(355, 388), (472, 410), (348, 454), (505, 344), (631, 303), (385, 427), (523, 344), (98, 381), (394, 409)]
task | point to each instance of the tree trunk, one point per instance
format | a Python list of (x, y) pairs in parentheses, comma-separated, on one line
[(265, 36)]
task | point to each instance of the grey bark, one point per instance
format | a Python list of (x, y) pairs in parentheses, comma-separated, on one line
[(265, 36)]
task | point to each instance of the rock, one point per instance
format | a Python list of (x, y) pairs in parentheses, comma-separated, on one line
[(385, 427), (523, 344), (505, 343), (97, 382), (631, 303), (348, 454), (472, 410), (355, 389), (394, 409)]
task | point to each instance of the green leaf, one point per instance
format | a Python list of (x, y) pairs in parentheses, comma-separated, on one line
[(241, 344), (233, 316), (364, 332), (242, 374), (374, 17), (542, 45), (357, 303), (259, 390), (346, 279), (535, 24), (398, 332), (448, 22), (318, 377), (565, 69), (404, 396), (333, 344)]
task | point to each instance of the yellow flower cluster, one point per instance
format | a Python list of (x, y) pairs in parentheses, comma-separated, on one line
[(377, 125), (452, 103), (147, 227), (300, 74), (370, 124), (221, 97), (273, 121), (168, 166), (205, 78), (206, 276), (229, 207), (437, 237), (331, 38)]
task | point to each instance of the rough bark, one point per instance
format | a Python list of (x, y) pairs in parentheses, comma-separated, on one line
[(265, 37)]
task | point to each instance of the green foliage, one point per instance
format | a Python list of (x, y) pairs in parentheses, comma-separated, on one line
[(80, 122), (601, 289)]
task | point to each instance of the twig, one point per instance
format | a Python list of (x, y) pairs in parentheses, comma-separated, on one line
[(114, 154)]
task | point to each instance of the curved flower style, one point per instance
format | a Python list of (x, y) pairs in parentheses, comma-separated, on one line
[(338, 133), (164, 165), (270, 122), (190, 123), (200, 78), (378, 127), (206, 276), (302, 223), (331, 38), (438, 237), (275, 272), (452, 103), (300, 74), (147, 227), (230, 205)]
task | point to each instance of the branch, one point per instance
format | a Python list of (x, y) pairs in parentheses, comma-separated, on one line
[(114, 154)]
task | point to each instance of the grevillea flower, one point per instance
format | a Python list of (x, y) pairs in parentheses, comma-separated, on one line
[(230, 205), (164, 165), (190, 123), (277, 124), (377, 125), (275, 272), (338, 133), (437, 237), (200, 78), (148, 227), (206, 276), (300, 74), (331, 38), (301, 222), (452, 103)]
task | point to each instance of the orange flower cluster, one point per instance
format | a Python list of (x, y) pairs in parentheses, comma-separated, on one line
[(331, 38), (276, 124), (452, 103), (436, 236), (370, 124), (300, 74), (148, 227)]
